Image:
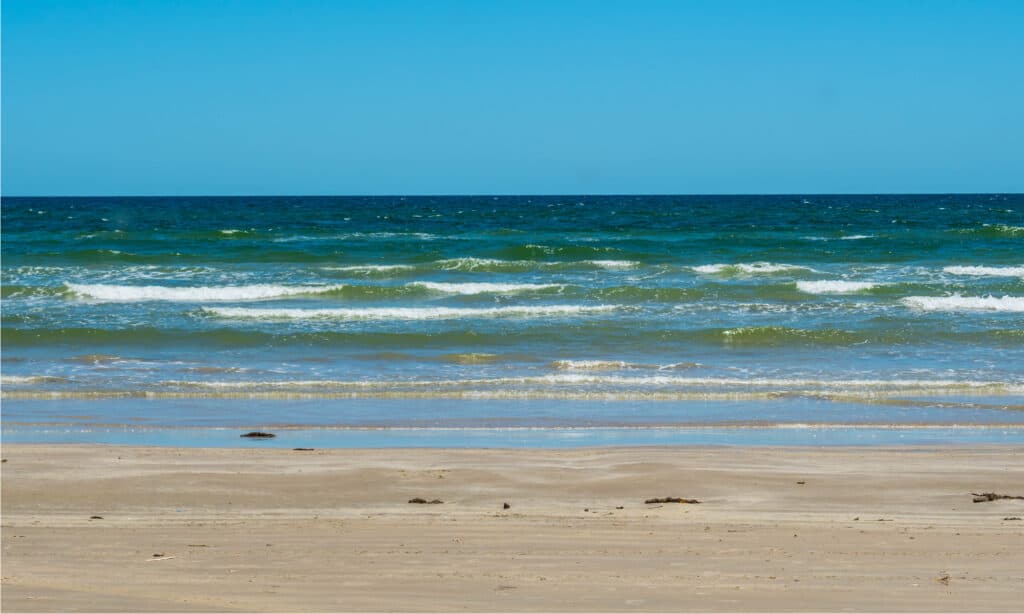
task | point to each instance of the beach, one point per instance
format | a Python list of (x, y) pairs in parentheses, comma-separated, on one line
[(793, 529), (831, 377)]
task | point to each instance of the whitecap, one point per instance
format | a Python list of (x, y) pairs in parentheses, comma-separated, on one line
[(480, 288), (751, 268), (370, 268), (131, 294), (1011, 304), (613, 265), (591, 365), (470, 263), (408, 313), (988, 271), (834, 286)]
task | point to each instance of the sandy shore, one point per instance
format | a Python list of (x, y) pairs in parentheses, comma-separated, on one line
[(281, 530)]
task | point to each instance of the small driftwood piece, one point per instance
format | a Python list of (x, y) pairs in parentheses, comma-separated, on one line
[(258, 435), (423, 501), (671, 500), (984, 497)]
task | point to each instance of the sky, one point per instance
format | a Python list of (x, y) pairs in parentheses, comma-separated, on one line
[(478, 97)]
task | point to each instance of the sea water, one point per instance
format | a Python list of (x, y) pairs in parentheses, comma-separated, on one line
[(535, 320)]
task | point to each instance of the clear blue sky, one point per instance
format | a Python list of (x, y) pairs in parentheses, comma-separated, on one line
[(376, 97)]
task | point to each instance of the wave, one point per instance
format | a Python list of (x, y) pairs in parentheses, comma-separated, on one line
[(591, 365), (371, 268), (408, 313), (571, 252), (130, 294), (617, 365), (784, 335), (846, 238), (558, 385), (834, 286), (600, 334), (492, 265), (989, 271), (480, 288), (752, 268), (470, 358), (356, 236), (23, 291), (31, 379), (497, 265), (613, 265), (994, 231), (1012, 304)]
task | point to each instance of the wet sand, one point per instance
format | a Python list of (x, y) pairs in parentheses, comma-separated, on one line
[(878, 529)]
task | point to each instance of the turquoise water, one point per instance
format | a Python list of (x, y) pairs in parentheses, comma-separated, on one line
[(555, 313)]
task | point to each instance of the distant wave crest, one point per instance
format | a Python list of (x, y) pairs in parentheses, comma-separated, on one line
[(408, 313), (480, 288)]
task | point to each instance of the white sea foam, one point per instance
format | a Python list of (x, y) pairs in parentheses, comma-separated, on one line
[(591, 365), (591, 379), (846, 238), (988, 271), (834, 286), (131, 294), (480, 288), (349, 236), (408, 313), (370, 268), (956, 302), (751, 268), (470, 263), (613, 265), (617, 365)]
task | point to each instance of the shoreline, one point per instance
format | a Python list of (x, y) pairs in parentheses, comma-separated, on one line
[(881, 528), (519, 436)]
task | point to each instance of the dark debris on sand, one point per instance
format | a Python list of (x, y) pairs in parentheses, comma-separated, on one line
[(991, 496), (423, 501), (671, 500)]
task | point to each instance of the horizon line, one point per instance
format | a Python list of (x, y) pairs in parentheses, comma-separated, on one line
[(512, 194)]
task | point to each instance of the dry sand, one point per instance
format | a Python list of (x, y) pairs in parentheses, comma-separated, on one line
[(280, 530)]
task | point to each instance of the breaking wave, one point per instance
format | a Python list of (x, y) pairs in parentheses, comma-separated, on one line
[(987, 271), (834, 286), (480, 288), (752, 268), (956, 302), (408, 313), (131, 294)]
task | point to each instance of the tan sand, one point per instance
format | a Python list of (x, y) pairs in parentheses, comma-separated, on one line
[(279, 530)]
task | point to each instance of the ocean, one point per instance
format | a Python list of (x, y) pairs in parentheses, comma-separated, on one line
[(514, 320)]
